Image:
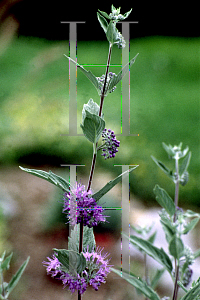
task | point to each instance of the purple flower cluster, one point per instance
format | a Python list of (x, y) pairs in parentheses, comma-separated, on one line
[(97, 269), (79, 205), (110, 143)]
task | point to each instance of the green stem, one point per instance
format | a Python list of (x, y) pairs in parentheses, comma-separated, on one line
[(176, 286), (100, 112), (95, 152)]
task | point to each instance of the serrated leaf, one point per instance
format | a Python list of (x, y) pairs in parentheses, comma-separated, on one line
[(88, 239), (116, 79), (185, 163), (73, 239), (98, 195), (92, 126), (5, 265), (71, 261), (103, 22), (158, 254), (15, 279), (190, 225), (164, 200), (176, 247), (88, 74), (138, 283), (167, 171), (49, 176), (192, 293)]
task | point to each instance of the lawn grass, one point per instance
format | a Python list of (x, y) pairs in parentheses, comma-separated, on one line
[(164, 107)]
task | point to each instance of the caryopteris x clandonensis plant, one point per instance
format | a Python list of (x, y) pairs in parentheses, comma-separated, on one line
[(175, 223), (84, 264)]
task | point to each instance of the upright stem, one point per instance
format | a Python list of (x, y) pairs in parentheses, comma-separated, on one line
[(100, 112), (94, 154), (175, 292)]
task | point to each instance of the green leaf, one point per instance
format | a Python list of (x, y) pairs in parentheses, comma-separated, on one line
[(121, 74), (103, 22), (73, 239), (152, 237), (71, 261), (51, 177), (104, 14), (88, 74), (138, 283), (158, 254), (98, 195), (190, 214), (6, 263), (196, 254), (3, 255), (15, 279), (168, 228), (192, 293), (163, 168), (88, 239), (112, 33), (185, 163), (127, 13), (92, 107), (164, 200), (190, 225), (169, 149), (176, 247), (156, 278), (182, 286), (92, 126)]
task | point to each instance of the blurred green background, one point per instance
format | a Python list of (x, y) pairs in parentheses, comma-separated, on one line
[(164, 107)]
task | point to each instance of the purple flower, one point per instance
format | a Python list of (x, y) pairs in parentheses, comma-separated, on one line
[(97, 269), (110, 143), (79, 205)]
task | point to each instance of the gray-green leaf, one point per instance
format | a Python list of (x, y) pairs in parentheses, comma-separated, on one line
[(88, 239), (92, 126), (192, 293), (98, 195), (176, 247), (158, 254), (112, 33), (103, 22), (51, 177), (5, 265), (121, 74), (15, 279), (164, 200), (138, 283), (88, 74), (190, 225), (168, 172), (71, 261), (185, 163)]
